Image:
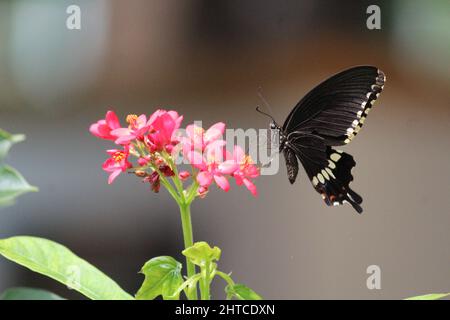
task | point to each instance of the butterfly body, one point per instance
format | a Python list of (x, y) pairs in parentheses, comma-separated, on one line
[(330, 115)]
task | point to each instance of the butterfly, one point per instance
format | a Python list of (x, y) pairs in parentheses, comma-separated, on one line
[(330, 115)]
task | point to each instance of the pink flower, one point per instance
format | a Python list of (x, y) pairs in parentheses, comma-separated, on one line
[(246, 170), (117, 163), (103, 127), (137, 128), (163, 127), (198, 139), (211, 165)]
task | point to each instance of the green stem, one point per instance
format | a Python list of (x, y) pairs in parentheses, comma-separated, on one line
[(228, 279), (205, 283), (225, 277), (185, 211), (169, 187)]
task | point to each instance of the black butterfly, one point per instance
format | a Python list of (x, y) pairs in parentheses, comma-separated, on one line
[(329, 115)]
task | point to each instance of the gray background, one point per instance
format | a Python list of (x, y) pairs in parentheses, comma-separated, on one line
[(207, 59)]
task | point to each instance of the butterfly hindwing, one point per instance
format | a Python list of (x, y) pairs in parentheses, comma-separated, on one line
[(329, 171)]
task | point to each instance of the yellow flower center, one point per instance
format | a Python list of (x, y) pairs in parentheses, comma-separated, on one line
[(247, 160), (118, 156), (131, 119), (199, 131)]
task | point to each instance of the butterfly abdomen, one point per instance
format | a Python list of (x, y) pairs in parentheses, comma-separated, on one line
[(291, 164)]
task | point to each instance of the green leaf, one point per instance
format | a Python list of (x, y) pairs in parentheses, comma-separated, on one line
[(162, 277), (28, 294), (242, 292), (12, 185), (59, 263), (7, 140), (431, 296), (201, 253)]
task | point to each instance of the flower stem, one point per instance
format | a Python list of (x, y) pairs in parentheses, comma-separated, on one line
[(205, 283), (185, 211)]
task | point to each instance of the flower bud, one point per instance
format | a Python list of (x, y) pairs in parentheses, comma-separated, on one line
[(202, 191), (159, 161), (154, 181), (183, 175), (166, 170), (140, 173), (143, 161)]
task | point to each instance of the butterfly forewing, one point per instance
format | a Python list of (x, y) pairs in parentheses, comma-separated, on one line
[(337, 108)]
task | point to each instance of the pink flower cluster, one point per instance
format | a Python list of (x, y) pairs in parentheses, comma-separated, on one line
[(155, 142)]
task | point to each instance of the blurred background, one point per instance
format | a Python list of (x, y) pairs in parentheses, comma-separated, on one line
[(207, 59)]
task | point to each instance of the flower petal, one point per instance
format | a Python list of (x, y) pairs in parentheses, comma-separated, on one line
[(238, 154), (228, 167), (204, 178), (214, 132), (222, 182), (112, 120), (94, 129), (155, 115), (114, 175), (195, 158), (250, 186), (121, 132), (125, 139), (215, 151)]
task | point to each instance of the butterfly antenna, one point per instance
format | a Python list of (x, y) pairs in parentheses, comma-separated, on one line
[(264, 100), (264, 113)]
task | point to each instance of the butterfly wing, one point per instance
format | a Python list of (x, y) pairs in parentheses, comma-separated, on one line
[(328, 170), (337, 108), (332, 114)]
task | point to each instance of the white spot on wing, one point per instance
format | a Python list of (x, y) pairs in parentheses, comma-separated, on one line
[(331, 164), (330, 172), (325, 174), (335, 157), (321, 178)]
